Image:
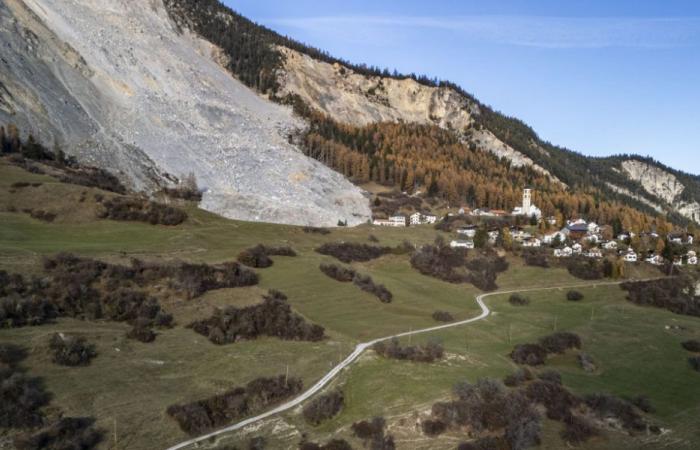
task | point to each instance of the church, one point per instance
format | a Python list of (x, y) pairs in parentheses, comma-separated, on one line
[(527, 208)]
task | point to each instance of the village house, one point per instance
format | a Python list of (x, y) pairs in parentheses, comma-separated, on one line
[(594, 253), (462, 244), (630, 256), (464, 210), (565, 252), (551, 220), (467, 230), (655, 260), (418, 218), (610, 245), (692, 258), (593, 228), (675, 238), (577, 231), (577, 248), (493, 235), (549, 238), (532, 242)]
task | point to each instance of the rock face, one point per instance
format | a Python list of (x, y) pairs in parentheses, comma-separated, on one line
[(663, 185), (357, 99), (114, 82)]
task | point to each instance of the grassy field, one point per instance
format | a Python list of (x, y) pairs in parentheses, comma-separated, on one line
[(130, 384)]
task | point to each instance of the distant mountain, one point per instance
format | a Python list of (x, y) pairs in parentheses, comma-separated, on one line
[(157, 89)]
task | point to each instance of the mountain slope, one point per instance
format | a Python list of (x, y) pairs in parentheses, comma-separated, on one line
[(358, 95), (116, 84)]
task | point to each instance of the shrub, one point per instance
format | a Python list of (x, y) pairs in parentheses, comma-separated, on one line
[(373, 238), (71, 351), (518, 378), (557, 400), (578, 430), (255, 257), (93, 177), (42, 215), (560, 342), (535, 257), (372, 432), (366, 283), (433, 427), (272, 317), (259, 256), (18, 312), (323, 407), (421, 353), (586, 362), (674, 294), (141, 333), (202, 415), (691, 346), (21, 399), (518, 300), (11, 354), (141, 210), (348, 252), (529, 354), (485, 443), (585, 268), (77, 433), (443, 316), (608, 406), (643, 403), (551, 376), (339, 273), (694, 362), (574, 296)]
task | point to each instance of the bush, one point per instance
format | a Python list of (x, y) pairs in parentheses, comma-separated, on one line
[(560, 342), (608, 406), (429, 352), (71, 351), (68, 433), (11, 354), (551, 376), (674, 294), (93, 177), (691, 346), (529, 354), (485, 443), (372, 432), (141, 210), (323, 407), (442, 316), (586, 362), (141, 333), (202, 415), (518, 378), (585, 268), (21, 399), (518, 300), (335, 444), (366, 283), (536, 257), (694, 362), (578, 430), (259, 256), (18, 312), (273, 317), (348, 252), (574, 296), (433, 427), (339, 273), (643, 403), (557, 400)]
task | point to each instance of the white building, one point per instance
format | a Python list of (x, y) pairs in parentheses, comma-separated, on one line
[(577, 248), (468, 231), (565, 252), (532, 242), (656, 260), (462, 244), (594, 253), (692, 258), (631, 256), (415, 218), (593, 228), (610, 245), (394, 221), (549, 238), (527, 208), (493, 235)]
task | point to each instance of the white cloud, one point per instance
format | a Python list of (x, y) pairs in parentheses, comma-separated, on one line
[(532, 31)]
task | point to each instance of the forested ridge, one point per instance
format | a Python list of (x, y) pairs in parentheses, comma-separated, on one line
[(445, 167)]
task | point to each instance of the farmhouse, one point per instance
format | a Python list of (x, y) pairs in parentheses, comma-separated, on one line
[(630, 256), (418, 218), (394, 221), (468, 230)]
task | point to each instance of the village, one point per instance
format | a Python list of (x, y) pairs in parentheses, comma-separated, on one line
[(577, 238)]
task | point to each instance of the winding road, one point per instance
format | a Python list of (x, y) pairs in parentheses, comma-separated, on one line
[(352, 357)]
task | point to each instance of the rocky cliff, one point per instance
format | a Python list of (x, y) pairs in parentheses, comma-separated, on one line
[(117, 84)]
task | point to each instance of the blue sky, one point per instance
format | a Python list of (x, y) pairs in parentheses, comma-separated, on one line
[(599, 77)]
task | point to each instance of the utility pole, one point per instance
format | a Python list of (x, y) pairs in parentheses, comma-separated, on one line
[(116, 440)]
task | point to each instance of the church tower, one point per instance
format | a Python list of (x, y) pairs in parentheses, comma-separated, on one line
[(527, 201)]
